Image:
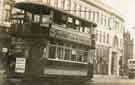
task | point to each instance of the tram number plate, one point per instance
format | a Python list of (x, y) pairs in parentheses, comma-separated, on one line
[(20, 65)]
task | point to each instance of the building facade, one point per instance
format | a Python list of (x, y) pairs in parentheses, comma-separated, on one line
[(109, 44), (109, 38), (128, 49), (5, 13)]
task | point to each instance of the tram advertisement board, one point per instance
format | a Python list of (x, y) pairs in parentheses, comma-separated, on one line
[(70, 36)]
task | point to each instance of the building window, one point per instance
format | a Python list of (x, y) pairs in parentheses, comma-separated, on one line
[(100, 36), (52, 3), (104, 37), (97, 35), (80, 10), (48, 2), (66, 7), (60, 4), (75, 8), (115, 42), (94, 16), (56, 3), (121, 43), (63, 3), (83, 12), (107, 38), (69, 4), (117, 25), (102, 19), (97, 17), (87, 14), (105, 20), (90, 14), (108, 21)]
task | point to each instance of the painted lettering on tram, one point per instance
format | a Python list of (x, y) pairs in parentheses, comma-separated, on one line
[(69, 36)]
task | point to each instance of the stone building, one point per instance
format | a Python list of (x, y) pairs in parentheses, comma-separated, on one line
[(5, 13), (109, 45), (128, 49), (109, 37)]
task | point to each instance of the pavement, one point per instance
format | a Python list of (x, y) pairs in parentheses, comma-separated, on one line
[(106, 78)]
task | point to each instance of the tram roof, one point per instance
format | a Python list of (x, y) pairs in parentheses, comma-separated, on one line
[(40, 8)]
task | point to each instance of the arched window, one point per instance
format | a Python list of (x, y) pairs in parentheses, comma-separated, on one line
[(107, 39), (115, 42)]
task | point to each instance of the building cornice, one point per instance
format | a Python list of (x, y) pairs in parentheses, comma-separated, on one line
[(105, 8)]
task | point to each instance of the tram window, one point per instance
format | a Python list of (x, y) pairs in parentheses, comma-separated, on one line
[(81, 29), (77, 25), (44, 52), (87, 30), (85, 56), (71, 23), (27, 17), (60, 19), (60, 52), (79, 56), (67, 54), (46, 19), (52, 51), (70, 20), (36, 18), (77, 22), (73, 56)]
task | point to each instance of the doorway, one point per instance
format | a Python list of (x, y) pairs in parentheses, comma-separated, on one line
[(114, 63)]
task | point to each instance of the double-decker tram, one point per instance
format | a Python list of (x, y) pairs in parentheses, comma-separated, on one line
[(50, 45)]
